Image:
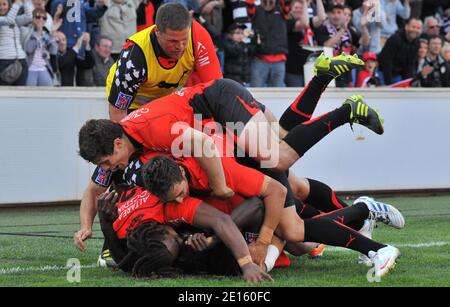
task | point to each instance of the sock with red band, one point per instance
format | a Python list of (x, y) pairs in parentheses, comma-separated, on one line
[(330, 229), (304, 136), (323, 198), (304, 105)]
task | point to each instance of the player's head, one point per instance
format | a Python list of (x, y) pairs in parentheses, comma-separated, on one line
[(164, 178), (173, 22), (102, 142), (154, 248)]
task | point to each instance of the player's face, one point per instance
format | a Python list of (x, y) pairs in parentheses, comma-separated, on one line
[(117, 160), (179, 191), (172, 42)]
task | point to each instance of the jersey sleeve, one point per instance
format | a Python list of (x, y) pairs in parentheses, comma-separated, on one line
[(105, 178), (101, 177), (175, 213), (129, 74), (243, 180), (207, 65)]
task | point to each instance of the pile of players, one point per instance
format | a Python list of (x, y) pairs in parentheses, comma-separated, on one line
[(198, 180)]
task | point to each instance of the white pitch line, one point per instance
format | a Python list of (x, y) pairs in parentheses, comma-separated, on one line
[(47, 268), (415, 245)]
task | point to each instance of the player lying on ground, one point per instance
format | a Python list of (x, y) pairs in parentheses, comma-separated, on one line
[(140, 250), (154, 248), (170, 181)]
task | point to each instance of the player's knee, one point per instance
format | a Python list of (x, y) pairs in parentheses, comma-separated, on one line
[(293, 233)]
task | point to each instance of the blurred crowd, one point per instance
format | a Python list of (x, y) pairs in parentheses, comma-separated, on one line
[(258, 42)]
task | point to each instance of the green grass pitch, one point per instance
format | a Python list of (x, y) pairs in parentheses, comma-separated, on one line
[(40, 261)]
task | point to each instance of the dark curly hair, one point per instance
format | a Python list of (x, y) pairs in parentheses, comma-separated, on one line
[(160, 174), (148, 256), (96, 139)]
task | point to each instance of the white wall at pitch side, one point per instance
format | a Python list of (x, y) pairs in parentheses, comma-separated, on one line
[(39, 141)]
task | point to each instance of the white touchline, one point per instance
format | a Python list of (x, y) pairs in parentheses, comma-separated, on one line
[(414, 245), (46, 268)]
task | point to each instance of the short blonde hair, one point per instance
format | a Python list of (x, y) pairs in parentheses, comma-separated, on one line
[(445, 49)]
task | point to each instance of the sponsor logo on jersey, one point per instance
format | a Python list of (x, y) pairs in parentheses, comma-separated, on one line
[(123, 101), (103, 177)]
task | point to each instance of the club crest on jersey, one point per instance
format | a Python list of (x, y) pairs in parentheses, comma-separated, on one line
[(103, 177), (123, 101)]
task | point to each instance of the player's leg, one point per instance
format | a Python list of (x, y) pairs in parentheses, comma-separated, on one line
[(325, 70), (326, 230)]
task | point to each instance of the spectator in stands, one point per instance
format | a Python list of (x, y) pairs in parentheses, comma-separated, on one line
[(238, 55), (41, 5), (238, 10), (337, 34), (398, 57), (211, 10), (191, 5), (67, 58), (431, 27), (354, 4), (431, 7), (445, 53), (300, 33), (74, 19), (119, 23), (367, 77), (316, 12), (369, 23), (421, 55), (41, 49), (94, 11), (392, 8), (102, 60), (436, 72), (13, 64), (146, 13), (269, 25), (73, 26)]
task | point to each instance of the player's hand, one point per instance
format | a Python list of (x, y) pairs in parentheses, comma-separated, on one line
[(106, 205), (198, 242), (224, 193), (80, 236), (251, 272), (258, 251)]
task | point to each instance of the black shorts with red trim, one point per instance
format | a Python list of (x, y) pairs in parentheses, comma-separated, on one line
[(281, 177), (227, 101)]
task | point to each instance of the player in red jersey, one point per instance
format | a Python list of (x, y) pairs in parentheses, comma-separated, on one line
[(172, 182)]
